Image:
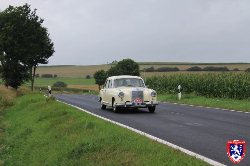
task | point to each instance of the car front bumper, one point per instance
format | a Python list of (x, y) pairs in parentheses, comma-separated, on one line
[(137, 105)]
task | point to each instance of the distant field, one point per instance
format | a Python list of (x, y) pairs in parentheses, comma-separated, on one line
[(67, 80), (184, 66), (72, 71), (74, 76), (82, 71), (76, 83)]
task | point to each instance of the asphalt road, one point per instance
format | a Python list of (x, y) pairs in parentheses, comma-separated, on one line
[(201, 130)]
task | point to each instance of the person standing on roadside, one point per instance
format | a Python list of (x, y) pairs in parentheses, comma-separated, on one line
[(49, 90)]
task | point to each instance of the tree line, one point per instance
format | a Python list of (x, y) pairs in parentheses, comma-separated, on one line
[(124, 67), (193, 68)]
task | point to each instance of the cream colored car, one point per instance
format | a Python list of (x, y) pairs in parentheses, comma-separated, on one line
[(127, 91)]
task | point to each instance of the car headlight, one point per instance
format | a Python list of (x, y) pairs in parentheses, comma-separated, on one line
[(121, 94), (153, 94)]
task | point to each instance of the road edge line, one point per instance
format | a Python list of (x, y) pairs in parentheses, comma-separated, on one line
[(188, 152), (200, 106)]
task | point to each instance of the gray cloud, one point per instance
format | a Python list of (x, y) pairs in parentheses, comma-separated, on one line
[(99, 31)]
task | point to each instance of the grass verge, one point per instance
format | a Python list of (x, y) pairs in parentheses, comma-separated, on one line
[(240, 105), (3, 104), (42, 131)]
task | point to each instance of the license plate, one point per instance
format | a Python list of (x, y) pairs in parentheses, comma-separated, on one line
[(138, 101)]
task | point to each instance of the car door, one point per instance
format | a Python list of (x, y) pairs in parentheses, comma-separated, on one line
[(104, 96), (109, 91)]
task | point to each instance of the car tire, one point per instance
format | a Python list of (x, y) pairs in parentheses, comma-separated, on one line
[(151, 109), (103, 107), (115, 109)]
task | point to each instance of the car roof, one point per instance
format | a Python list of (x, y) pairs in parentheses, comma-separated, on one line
[(123, 76)]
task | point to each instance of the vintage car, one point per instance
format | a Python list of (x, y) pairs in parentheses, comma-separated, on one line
[(127, 92)]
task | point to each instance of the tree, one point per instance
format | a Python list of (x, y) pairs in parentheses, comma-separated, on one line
[(113, 71), (236, 69), (59, 84), (150, 69), (100, 77), (125, 67), (14, 74), (194, 68), (24, 43)]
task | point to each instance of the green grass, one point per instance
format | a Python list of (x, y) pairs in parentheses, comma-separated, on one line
[(68, 80), (44, 132), (240, 105)]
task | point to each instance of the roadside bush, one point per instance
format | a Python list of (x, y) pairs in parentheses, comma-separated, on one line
[(194, 68), (1, 71), (5, 102), (247, 70), (213, 68), (59, 84), (167, 69), (150, 69), (100, 77), (47, 76), (37, 75), (55, 75), (88, 77), (236, 69), (50, 99)]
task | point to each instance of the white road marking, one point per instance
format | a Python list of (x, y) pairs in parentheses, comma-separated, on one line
[(194, 124), (196, 155)]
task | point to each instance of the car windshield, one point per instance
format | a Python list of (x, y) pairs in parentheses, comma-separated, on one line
[(128, 82)]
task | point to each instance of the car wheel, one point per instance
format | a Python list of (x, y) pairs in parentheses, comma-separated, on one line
[(151, 109), (103, 107)]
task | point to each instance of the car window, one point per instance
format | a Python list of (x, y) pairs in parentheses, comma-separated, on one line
[(128, 82), (110, 84), (105, 85)]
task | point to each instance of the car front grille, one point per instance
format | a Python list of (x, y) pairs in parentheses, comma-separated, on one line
[(136, 95)]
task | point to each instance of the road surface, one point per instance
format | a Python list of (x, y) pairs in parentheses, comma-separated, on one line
[(201, 130)]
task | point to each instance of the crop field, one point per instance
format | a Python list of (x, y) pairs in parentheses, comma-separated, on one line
[(224, 85), (156, 74), (83, 71)]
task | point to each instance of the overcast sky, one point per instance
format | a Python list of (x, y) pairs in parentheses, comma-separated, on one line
[(99, 31)]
